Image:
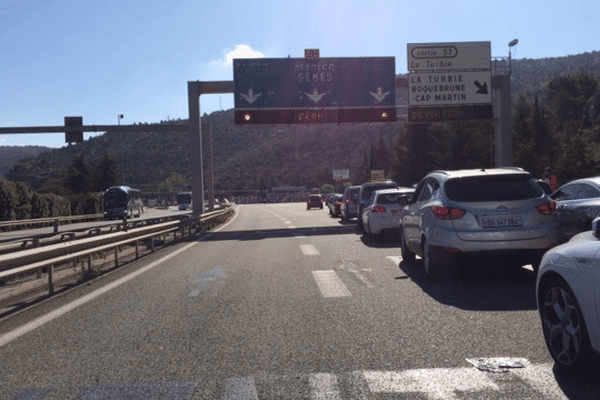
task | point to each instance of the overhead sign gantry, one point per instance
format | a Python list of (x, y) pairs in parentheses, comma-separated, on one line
[(314, 90), (449, 81)]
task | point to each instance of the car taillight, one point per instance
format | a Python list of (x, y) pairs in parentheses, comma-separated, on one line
[(379, 209), (547, 208), (441, 212), (347, 200)]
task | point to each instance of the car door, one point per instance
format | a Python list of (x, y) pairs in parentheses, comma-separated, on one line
[(567, 201), (413, 215), (369, 208), (588, 206)]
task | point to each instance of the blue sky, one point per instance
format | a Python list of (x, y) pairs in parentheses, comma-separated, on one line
[(99, 59)]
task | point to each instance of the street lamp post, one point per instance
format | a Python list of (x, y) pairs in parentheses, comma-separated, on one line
[(510, 45), (121, 149)]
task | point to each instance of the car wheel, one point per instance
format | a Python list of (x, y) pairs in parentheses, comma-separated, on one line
[(564, 329), (407, 255), (432, 270)]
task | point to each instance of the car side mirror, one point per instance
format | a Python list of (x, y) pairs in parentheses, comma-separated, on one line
[(596, 227)]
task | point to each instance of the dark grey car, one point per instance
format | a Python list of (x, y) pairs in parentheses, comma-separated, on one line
[(349, 203), (578, 203)]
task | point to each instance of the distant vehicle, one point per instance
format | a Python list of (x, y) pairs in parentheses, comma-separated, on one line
[(122, 202), (335, 205), (478, 214), (314, 200), (184, 200), (382, 211), (365, 193), (349, 202), (577, 204), (567, 300)]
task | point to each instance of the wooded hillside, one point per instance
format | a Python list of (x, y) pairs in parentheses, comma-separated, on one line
[(556, 103)]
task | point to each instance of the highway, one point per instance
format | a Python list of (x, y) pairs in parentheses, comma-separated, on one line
[(285, 303), (149, 212)]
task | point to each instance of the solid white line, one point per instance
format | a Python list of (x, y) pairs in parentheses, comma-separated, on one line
[(330, 284), (38, 322)]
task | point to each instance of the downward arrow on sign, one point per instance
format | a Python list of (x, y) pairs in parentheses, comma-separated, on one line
[(250, 97), (482, 88)]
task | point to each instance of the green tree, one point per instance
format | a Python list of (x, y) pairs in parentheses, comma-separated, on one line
[(327, 188), (399, 150), (364, 171), (24, 196), (9, 199), (104, 174), (567, 96), (78, 176), (543, 140), (523, 143)]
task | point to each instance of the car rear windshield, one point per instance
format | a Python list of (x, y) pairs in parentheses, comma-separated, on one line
[(389, 198), (492, 188), (370, 189)]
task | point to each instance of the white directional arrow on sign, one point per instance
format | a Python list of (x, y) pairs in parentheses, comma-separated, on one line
[(379, 95), (250, 97), (315, 95)]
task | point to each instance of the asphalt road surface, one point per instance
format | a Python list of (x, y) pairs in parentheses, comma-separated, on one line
[(285, 303)]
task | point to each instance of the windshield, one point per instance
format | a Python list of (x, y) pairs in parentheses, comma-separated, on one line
[(184, 198), (115, 198), (492, 188)]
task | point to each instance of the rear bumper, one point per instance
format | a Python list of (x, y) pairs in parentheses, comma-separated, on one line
[(452, 255), (380, 223)]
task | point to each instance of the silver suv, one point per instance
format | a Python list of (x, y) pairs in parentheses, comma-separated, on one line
[(478, 214)]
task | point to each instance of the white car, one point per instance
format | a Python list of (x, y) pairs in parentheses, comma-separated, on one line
[(568, 298), (382, 211)]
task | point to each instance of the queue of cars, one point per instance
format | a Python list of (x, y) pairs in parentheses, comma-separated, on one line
[(454, 217)]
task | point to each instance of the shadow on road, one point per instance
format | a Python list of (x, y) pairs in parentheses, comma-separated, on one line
[(477, 287), (382, 241), (261, 234), (578, 386)]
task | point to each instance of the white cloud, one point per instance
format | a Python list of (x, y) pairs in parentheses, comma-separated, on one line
[(222, 68), (241, 51)]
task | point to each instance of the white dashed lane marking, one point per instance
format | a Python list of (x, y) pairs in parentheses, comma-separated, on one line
[(309, 250), (330, 284)]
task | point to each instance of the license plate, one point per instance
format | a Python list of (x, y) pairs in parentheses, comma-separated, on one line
[(501, 221)]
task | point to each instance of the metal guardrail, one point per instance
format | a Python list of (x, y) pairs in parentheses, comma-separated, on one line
[(47, 257), (54, 220)]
